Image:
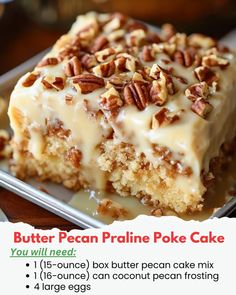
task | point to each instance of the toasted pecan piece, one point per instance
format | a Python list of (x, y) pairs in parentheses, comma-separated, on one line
[(201, 107), (31, 78), (49, 61), (88, 82)]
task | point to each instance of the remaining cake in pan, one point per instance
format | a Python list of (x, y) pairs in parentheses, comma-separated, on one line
[(116, 106)]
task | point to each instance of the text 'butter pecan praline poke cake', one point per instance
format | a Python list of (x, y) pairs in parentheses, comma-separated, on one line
[(115, 106)]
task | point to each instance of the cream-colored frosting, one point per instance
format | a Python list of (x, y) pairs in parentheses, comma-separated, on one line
[(192, 140)]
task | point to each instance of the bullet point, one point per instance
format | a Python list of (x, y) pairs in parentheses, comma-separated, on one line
[(27, 286), (27, 264), (27, 275)]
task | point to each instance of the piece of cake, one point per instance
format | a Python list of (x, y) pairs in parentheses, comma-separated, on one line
[(115, 106)]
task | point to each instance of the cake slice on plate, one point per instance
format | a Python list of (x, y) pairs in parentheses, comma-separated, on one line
[(115, 106)]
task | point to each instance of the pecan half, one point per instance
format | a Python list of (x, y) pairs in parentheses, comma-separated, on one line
[(136, 93), (197, 90), (74, 155), (147, 54), (204, 73), (164, 117), (49, 61), (214, 61), (201, 107), (29, 81), (99, 44), (73, 67), (111, 101), (88, 82)]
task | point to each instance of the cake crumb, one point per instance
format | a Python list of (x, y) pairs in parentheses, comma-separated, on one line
[(111, 208)]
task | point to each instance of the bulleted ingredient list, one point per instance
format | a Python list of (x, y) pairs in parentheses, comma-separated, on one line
[(143, 255)]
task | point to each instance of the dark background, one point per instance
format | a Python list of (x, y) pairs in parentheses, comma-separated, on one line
[(29, 26)]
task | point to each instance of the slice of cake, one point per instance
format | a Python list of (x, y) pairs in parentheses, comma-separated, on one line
[(115, 106)]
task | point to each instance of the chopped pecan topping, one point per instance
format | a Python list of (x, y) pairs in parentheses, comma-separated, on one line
[(68, 52), (136, 38), (121, 64), (130, 62), (111, 101), (118, 82), (162, 87), (156, 212), (88, 82), (49, 61), (46, 84), (138, 77), (197, 90), (214, 61), (88, 32), (111, 208), (168, 31), (99, 44), (201, 107), (29, 81), (155, 71), (73, 67), (153, 38), (184, 57), (204, 73), (58, 83), (135, 25), (69, 99), (117, 21), (105, 69), (55, 128), (147, 54), (164, 117), (136, 93), (105, 54), (74, 155), (158, 93), (116, 35), (53, 83), (202, 41), (167, 48), (88, 61)]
